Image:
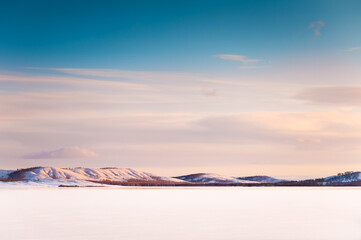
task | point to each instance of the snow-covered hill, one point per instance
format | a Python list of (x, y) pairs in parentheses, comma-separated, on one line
[(48, 174), (211, 178), (52, 176), (262, 179), (344, 177), (5, 173)]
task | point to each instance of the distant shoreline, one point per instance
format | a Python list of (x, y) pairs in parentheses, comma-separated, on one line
[(280, 184), (99, 177)]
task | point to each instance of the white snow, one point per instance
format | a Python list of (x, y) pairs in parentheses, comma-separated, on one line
[(49, 183), (290, 213)]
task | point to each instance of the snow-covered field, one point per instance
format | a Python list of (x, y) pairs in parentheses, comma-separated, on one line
[(180, 213)]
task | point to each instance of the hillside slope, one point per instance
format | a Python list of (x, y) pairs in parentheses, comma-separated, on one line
[(211, 178), (262, 179), (94, 174), (5, 173), (344, 177)]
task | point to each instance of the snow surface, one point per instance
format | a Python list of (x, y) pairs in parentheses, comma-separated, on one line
[(49, 183), (291, 213)]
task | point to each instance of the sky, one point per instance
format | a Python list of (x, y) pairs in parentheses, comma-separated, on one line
[(176, 87)]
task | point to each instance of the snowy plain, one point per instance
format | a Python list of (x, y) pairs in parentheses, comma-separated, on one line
[(282, 213)]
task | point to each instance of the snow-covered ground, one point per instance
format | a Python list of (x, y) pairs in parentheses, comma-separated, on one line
[(180, 213), (48, 183)]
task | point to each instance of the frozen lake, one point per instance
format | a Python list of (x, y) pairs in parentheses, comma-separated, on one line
[(180, 213)]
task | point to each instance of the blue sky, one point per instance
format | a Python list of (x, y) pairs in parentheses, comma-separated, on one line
[(169, 35), (172, 87)]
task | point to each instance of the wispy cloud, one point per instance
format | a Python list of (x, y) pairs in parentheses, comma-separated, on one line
[(308, 140), (353, 49), (316, 26), (130, 75), (66, 152), (335, 95), (252, 67), (73, 81), (239, 58), (149, 139), (209, 92), (142, 80)]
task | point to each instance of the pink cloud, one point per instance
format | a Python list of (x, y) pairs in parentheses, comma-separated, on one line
[(66, 152), (335, 95), (316, 26), (209, 92), (252, 67), (239, 58), (308, 140)]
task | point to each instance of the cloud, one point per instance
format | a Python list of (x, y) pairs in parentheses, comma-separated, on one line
[(139, 80), (209, 92), (252, 67), (137, 129), (308, 140), (66, 152), (353, 49), (73, 81), (131, 75), (238, 58), (335, 95), (140, 140), (316, 26)]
